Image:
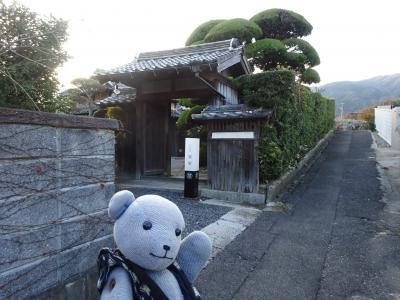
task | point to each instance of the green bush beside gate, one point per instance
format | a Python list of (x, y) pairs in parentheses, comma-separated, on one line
[(300, 119)]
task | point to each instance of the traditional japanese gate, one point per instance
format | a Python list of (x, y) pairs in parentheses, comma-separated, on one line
[(199, 72)]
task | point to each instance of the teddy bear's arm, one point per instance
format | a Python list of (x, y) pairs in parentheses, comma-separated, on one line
[(194, 253), (118, 286)]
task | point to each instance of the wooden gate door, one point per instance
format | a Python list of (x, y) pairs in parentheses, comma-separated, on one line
[(233, 165), (156, 137)]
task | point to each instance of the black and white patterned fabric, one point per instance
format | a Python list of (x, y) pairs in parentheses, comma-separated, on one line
[(143, 287)]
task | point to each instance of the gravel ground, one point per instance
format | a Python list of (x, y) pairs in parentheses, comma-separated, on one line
[(197, 215)]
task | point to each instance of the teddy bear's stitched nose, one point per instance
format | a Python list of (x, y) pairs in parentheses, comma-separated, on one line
[(166, 248)]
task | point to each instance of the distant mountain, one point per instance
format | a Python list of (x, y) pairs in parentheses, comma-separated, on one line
[(356, 95)]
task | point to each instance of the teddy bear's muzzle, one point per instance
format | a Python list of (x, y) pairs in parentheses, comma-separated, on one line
[(166, 248)]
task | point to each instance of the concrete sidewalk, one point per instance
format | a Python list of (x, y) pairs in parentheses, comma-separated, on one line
[(339, 240)]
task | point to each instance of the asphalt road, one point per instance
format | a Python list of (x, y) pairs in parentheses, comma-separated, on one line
[(336, 242)]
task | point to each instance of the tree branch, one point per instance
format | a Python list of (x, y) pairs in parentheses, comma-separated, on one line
[(21, 87)]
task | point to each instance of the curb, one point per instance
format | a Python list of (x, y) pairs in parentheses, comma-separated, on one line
[(234, 197), (223, 231), (277, 187)]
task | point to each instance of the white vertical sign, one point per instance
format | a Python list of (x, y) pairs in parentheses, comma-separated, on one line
[(192, 151)]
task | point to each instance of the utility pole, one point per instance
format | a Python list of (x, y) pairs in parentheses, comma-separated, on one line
[(341, 111)]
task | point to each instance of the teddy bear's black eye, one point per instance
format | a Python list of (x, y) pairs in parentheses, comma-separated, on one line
[(178, 232), (147, 225)]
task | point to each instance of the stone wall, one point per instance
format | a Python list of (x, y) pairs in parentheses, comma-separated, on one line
[(56, 178)]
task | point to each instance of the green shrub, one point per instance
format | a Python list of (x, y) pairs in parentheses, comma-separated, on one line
[(272, 54), (295, 61), (282, 24), (198, 43), (310, 76), (187, 102), (300, 119), (116, 113), (242, 29), (270, 153), (184, 121), (371, 123), (266, 89), (299, 45), (266, 53), (200, 32)]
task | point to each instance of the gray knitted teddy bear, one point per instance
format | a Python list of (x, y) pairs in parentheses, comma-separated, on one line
[(147, 232)]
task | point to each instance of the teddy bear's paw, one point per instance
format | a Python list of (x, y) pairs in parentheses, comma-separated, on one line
[(119, 202), (194, 253)]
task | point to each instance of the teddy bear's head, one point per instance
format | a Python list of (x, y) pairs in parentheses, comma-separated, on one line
[(147, 230)]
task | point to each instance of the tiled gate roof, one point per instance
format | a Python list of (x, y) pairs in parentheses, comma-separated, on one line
[(216, 52), (237, 111)]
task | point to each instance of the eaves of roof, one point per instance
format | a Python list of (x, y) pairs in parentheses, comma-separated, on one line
[(237, 111), (116, 100), (229, 51)]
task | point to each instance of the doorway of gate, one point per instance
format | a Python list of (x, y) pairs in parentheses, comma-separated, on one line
[(156, 127), (152, 147)]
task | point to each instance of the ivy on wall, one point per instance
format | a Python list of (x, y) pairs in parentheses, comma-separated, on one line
[(301, 119)]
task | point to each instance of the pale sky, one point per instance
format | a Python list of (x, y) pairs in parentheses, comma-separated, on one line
[(355, 39)]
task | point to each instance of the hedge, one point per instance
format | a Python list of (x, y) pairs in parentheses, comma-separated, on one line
[(301, 118)]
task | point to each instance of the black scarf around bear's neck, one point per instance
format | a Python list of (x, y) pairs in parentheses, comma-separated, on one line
[(143, 286)]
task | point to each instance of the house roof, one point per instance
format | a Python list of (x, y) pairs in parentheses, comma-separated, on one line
[(221, 53), (111, 85), (115, 100), (237, 111), (121, 94)]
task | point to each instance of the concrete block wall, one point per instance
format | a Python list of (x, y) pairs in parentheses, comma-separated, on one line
[(387, 123), (384, 122), (56, 178), (396, 128)]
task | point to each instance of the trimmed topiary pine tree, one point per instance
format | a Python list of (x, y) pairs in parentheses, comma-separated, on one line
[(242, 29), (282, 46), (282, 24), (198, 35), (278, 44)]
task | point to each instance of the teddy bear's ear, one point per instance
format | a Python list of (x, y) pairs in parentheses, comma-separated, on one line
[(119, 203)]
